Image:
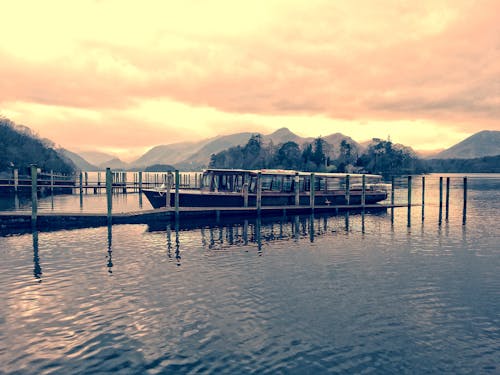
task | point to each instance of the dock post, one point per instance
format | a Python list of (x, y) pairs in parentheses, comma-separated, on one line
[(140, 182), (124, 183), (464, 213), (16, 179), (86, 182), (177, 182), (440, 200), (447, 204), (363, 190), (311, 191), (392, 199), (109, 196), (34, 196), (245, 194), (347, 190), (99, 180), (51, 181), (297, 188), (81, 182), (423, 198), (409, 202), (258, 202)]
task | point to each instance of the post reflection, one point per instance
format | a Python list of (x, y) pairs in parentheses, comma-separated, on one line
[(177, 243), (37, 269), (109, 256), (311, 228)]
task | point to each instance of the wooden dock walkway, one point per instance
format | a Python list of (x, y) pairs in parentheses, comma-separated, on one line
[(69, 220)]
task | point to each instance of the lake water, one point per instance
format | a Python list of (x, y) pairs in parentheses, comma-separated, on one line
[(291, 295)]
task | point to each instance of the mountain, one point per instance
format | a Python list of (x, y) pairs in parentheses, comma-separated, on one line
[(484, 143), (201, 157), (284, 135), (77, 160), (19, 148), (115, 164), (336, 139), (96, 157), (172, 154)]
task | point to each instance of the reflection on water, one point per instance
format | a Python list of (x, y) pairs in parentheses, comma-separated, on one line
[(348, 293)]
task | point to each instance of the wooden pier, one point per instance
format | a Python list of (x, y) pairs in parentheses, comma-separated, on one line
[(175, 181), (70, 220)]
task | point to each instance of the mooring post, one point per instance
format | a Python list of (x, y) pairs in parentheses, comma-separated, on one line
[(245, 194), (409, 202), (86, 182), (109, 191), (440, 200), (16, 179), (447, 204), (258, 202), (347, 190), (392, 200), (363, 190), (81, 182), (51, 181), (34, 196), (311, 191), (124, 183), (177, 182), (464, 213), (423, 198), (296, 183)]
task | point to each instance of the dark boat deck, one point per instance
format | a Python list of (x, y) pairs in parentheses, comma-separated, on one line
[(68, 220)]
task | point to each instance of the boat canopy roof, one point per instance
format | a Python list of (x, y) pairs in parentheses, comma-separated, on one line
[(287, 172)]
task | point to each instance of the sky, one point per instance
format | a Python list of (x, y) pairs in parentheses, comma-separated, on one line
[(123, 76)]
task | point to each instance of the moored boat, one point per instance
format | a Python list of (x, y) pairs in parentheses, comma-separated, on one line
[(240, 188)]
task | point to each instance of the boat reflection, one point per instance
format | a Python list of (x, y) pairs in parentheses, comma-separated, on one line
[(228, 232)]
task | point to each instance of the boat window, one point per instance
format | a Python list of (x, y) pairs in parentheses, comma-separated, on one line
[(287, 183), (266, 182)]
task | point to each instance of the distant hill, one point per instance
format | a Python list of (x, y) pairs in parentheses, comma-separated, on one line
[(19, 148), (114, 163), (487, 164), (172, 154), (336, 139), (77, 160), (201, 157), (484, 143), (96, 157)]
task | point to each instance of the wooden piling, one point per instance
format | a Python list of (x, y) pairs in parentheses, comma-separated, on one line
[(86, 182), (34, 196), (363, 190), (245, 194), (347, 190), (16, 180), (258, 202), (423, 198), (51, 181), (392, 199), (297, 188), (409, 201), (177, 183), (440, 219), (109, 192), (124, 190), (464, 212), (311, 191), (447, 201), (81, 182)]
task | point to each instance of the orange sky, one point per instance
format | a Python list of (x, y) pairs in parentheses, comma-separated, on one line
[(123, 76)]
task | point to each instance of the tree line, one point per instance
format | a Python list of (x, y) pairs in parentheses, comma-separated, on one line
[(381, 157)]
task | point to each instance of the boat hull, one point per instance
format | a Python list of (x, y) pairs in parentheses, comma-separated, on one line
[(197, 198)]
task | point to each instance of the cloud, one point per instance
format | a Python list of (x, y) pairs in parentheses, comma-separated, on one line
[(196, 68)]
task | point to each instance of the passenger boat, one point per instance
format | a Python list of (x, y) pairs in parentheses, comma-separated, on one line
[(240, 188)]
